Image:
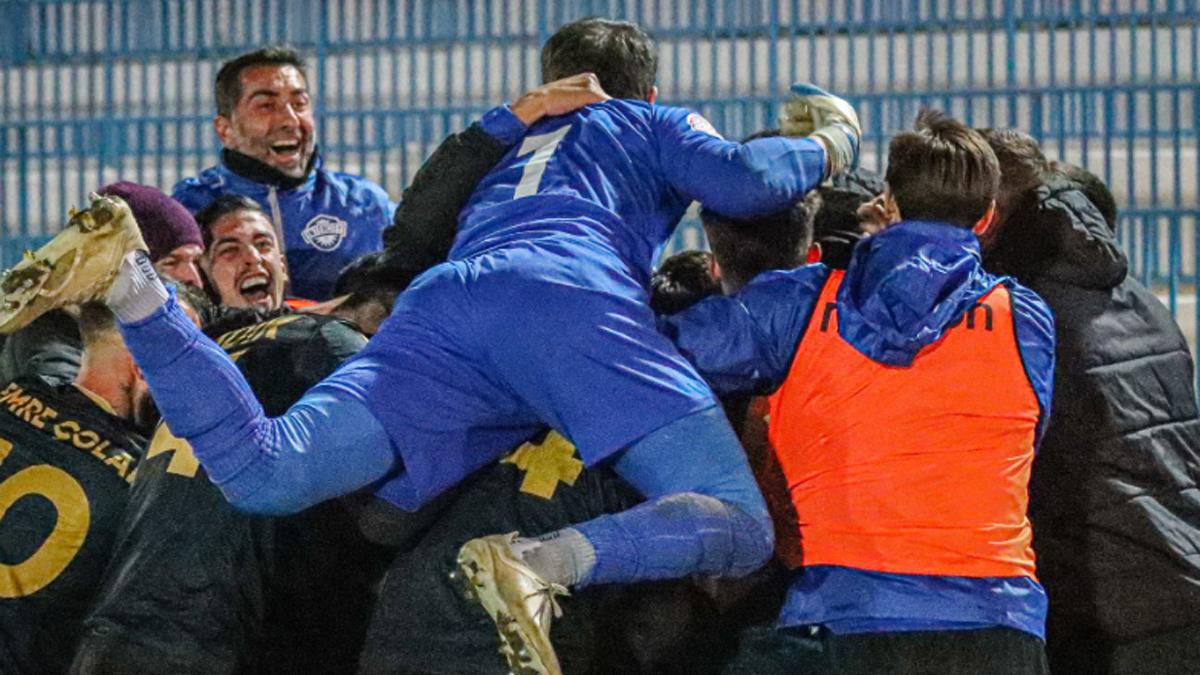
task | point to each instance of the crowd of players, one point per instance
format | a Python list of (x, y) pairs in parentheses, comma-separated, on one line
[(893, 353)]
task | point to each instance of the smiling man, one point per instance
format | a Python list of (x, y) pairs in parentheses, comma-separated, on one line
[(322, 219), (242, 259)]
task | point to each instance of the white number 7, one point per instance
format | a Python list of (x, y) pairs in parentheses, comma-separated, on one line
[(542, 146)]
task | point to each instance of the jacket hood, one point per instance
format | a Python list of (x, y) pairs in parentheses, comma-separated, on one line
[(906, 285), (1087, 253)]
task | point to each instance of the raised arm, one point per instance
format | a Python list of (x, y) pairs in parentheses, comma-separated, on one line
[(327, 444), (743, 180)]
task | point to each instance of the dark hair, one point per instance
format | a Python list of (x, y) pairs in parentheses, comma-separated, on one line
[(1022, 164), (746, 248), (369, 278), (219, 208), (681, 281), (762, 133), (96, 321), (840, 198), (1093, 188), (228, 88), (620, 54), (942, 170), (836, 226), (192, 296)]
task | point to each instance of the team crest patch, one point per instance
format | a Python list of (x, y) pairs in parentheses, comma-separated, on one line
[(697, 122), (324, 233)]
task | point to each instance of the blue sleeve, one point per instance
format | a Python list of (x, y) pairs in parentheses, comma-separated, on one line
[(737, 180), (1034, 325), (327, 444), (745, 343), (501, 124)]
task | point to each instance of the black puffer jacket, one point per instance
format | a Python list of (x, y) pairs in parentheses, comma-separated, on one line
[(1113, 496)]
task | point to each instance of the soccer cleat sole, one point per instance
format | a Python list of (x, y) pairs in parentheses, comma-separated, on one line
[(512, 645), (77, 265)]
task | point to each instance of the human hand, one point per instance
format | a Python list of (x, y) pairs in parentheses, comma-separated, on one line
[(814, 112), (559, 97)]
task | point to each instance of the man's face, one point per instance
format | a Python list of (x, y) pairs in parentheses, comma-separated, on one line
[(180, 264), (244, 263), (273, 120)]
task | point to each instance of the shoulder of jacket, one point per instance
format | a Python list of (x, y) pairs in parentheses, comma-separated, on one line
[(358, 190)]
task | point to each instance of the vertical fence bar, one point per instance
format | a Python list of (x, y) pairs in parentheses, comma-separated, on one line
[(1195, 215), (1010, 62), (41, 115)]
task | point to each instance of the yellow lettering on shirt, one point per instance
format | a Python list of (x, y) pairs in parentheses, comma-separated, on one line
[(268, 330), (183, 458), (37, 414)]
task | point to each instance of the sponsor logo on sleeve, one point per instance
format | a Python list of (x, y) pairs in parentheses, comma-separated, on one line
[(697, 122), (324, 233)]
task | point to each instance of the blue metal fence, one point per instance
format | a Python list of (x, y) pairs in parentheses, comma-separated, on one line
[(96, 90)]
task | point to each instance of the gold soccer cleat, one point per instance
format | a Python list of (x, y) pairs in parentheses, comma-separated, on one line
[(77, 265), (521, 603)]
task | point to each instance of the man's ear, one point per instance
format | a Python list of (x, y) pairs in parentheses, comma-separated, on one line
[(891, 208), (134, 369), (986, 222), (814, 253), (652, 96), (224, 128), (714, 269)]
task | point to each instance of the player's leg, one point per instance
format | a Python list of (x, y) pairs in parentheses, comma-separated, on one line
[(703, 515), (704, 512), (592, 365)]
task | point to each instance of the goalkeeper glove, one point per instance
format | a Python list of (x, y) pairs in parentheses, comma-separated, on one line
[(816, 113)]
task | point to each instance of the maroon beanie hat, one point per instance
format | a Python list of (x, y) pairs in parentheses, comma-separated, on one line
[(166, 224)]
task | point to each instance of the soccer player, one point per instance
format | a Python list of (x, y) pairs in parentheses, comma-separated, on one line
[(907, 396), (242, 261), (421, 623), (541, 487), (539, 318), (67, 453)]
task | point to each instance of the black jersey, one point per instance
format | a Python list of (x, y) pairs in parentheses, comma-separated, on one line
[(65, 465), (422, 623), (199, 587)]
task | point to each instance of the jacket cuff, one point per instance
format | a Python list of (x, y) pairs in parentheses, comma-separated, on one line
[(501, 124)]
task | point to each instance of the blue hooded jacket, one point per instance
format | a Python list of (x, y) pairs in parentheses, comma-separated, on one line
[(904, 288), (326, 222)]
